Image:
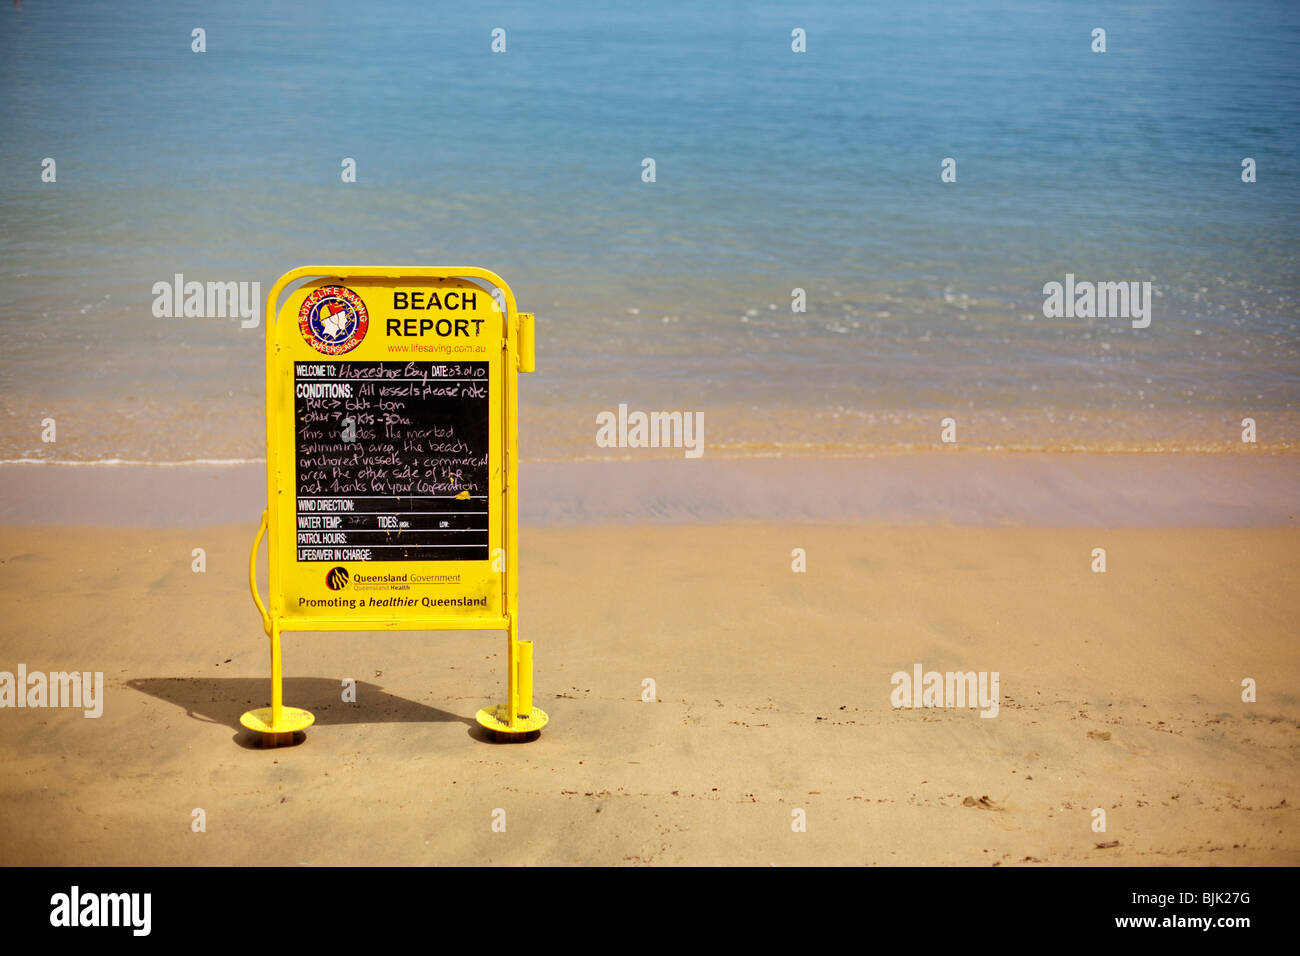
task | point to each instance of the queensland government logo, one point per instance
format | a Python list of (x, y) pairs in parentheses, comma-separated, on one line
[(337, 579), (333, 320)]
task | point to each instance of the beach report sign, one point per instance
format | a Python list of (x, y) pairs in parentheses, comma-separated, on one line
[(391, 464)]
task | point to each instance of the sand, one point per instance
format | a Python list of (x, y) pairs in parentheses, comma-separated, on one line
[(1119, 691)]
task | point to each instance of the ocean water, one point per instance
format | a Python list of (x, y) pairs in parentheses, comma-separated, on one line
[(775, 170)]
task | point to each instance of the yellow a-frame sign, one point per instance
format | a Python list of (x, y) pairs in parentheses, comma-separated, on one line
[(392, 465)]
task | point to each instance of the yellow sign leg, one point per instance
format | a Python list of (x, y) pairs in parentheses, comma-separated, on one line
[(277, 723), (517, 717)]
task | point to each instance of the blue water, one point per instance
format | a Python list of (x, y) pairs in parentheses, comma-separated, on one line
[(775, 170)]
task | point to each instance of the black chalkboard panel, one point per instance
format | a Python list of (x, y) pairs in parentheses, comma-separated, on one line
[(392, 461)]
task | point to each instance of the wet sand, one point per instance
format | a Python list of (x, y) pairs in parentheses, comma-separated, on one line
[(1246, 489)]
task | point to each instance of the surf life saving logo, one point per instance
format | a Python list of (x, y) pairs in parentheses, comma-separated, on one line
[(333, 320)]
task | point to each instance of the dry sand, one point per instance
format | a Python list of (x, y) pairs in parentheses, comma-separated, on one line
[(1119, 690)]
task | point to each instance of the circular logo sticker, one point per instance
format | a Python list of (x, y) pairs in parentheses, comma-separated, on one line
[(337, 579), (333, 320)]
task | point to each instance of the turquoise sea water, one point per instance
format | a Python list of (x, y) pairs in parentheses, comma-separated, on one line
[(775, 170)]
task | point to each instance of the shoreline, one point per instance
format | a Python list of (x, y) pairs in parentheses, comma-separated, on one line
[(988, 489)]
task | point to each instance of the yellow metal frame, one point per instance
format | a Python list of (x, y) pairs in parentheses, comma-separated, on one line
[(517, 716)]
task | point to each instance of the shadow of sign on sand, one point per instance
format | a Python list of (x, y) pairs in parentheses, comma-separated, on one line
[(222, 700)]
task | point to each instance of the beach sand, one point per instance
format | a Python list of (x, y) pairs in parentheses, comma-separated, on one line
[(1119, 691)]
